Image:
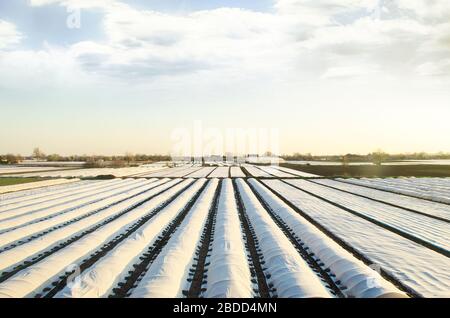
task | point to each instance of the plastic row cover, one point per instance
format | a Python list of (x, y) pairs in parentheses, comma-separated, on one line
[(255, 172), (88, 173), (58, 199), (228, 273), (425, 206), (297, 172), (202, 173), (290, 274), (236, 172), (360, 280), (433, 231), (220, 172), (275, 172), (24, 215), (34, 185), (21, 252), (426, 190), (46, 194), (167, 275), (31, 280), (171, 172), (103, 276)]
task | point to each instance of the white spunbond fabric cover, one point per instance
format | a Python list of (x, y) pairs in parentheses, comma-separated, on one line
[(174, 172), (275, 172), (220, 172), (297, 172), (34, 185), (60, 200), (167, 275), (236, 172), (40, 224), (360, 280), (184, 173), (89, 173), (32, 279), (49, 210), (415, 266), (425, 206), (29, 198), (255, 172), (103, 276), (202, 173), (423, 227), (228, 273), (435, 189), (109, 209), (290, 274)]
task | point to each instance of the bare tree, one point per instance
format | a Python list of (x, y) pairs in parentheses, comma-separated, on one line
[(378, 157), (38, 154), (129, 157)]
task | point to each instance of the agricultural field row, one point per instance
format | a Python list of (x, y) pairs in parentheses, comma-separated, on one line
[(90, 173), (434, 189), (214, 236), (34, 185), (184, 171), (7, 169)]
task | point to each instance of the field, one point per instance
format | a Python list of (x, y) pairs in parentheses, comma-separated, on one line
[(6, 170), (12, 181), (249, 231), (23, 172), (371, 171)]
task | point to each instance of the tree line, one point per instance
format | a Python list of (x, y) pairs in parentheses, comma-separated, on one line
[(128, 158), (91, 160), (376, 157)]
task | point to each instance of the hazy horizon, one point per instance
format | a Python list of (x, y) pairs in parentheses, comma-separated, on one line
[(30, 154), (107, 77)]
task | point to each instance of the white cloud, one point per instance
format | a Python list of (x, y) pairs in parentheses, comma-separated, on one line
[(321, 7), (9, 36), (322, 12), (437, 68), (308, 58), (51, 66), (434, 11), (301, 40), (149, 43), (82, 4), (349, 71)]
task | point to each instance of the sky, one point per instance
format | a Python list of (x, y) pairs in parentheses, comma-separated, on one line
[(325, 76)]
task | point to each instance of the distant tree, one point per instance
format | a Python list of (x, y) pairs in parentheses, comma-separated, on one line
[(38, 154), (54, 157), (93, 162), (12, 159), (378, 157), (140, 157), (118, 164), (129, 157)]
